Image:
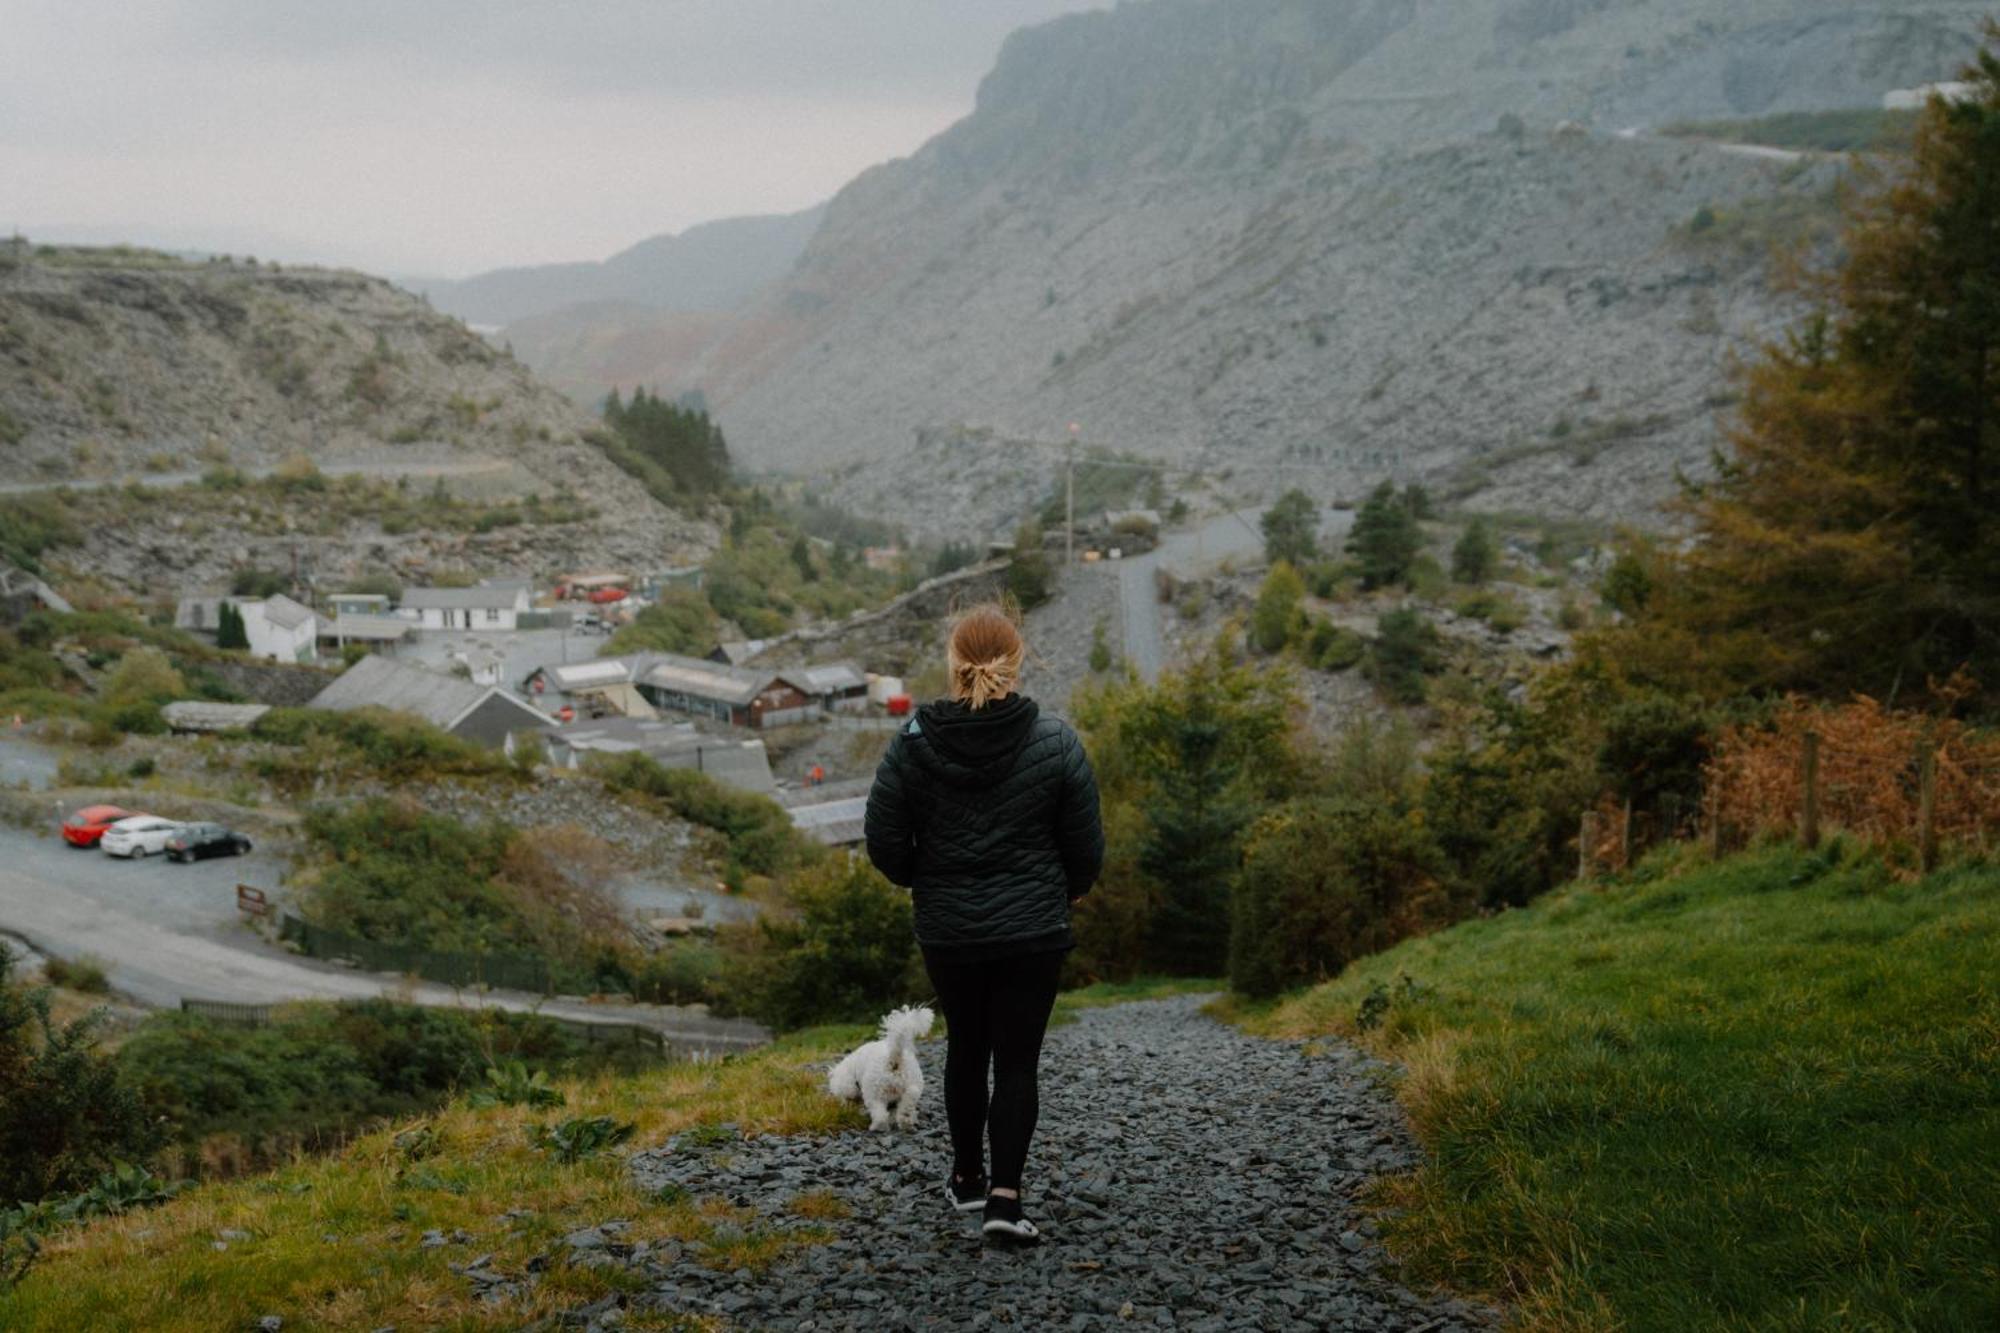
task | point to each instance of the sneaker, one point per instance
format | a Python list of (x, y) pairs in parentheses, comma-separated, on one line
[(968, 1196), (1004, 1221)]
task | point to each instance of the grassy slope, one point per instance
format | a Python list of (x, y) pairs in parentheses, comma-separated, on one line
[(1760, 1094), (334, 1240)]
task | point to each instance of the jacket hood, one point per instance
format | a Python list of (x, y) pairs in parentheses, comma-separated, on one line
[(972, 748)]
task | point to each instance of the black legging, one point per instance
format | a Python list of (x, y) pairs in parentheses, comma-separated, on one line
[(995, 1011)]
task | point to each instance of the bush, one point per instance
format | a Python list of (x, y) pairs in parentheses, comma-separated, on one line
[(1473, 558), (759, 836), (1404, 652), (1275, 618), (394, 746), (64, 1115), (391, 872), (848, 954), (321, 1071), (1328, 647), (1325, 882), (82, 973)]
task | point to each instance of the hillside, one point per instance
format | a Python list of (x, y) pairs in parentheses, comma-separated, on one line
[(1750, 1094), (715, 266), (231, 403), (1373, 238)]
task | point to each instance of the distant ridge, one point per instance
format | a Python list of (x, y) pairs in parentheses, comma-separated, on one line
[(715, 266)]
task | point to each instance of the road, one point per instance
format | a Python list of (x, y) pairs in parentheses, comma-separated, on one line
[(1194, 553), (167, 932), (387, 470)]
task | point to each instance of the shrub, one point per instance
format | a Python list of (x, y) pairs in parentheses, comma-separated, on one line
[(82, 973), (144, 675), (759, 836), (1329, 647), (1275, 618), (1404, 652), (64, 1115), (321, 1071), (394, 873), (848, 953), (1385, 538), (1325, 882)]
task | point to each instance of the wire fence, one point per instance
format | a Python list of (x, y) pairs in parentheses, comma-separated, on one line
[(1911, 783), (521, 972)]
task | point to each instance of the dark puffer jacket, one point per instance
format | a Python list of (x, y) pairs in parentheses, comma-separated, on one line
[(990, 818)]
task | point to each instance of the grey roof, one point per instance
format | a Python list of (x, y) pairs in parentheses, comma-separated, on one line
[(202, 715), (743, 764), (706, 680), (15, 582), (285, 613), (368, 629), (596, 674), (459, 599), (738, 651), (385, 682), (827, 678)]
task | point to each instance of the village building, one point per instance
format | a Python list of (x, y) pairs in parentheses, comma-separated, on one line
[(278, 629), (486, 715), (22, 593), (496, 607), (642, 685), (376, 633), (358, 604), (742, 764), (601, 687)]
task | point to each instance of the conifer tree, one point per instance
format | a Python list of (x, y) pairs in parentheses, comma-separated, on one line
[(230, 632), (1472, 559), (1385, 538), (1848, 539)]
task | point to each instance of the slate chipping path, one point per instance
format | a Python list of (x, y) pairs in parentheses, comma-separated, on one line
[(1185, 1176)]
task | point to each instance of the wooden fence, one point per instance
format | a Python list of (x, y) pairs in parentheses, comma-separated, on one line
[(1902, 781)]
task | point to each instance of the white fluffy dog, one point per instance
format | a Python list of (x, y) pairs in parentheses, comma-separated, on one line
[(884, 1075)]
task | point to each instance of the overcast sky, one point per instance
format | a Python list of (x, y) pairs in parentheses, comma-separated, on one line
[(442, 137)]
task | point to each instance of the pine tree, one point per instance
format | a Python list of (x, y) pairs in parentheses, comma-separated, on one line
[(1385, 539), (230, 631), (1291, 530), (802, 558), (1472, 559), (1848, 540)]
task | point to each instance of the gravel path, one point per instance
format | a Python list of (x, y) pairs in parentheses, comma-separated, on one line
[(1185, 1176)]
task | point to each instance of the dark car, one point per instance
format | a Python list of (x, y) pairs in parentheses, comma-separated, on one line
[(196, 841)]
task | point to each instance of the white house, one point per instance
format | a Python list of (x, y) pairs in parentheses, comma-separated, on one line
[(279, 628), (485, 608)]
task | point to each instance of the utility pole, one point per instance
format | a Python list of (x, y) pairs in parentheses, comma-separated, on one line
[(1069, 498)]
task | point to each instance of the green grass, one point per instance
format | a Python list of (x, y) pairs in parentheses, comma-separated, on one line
[(333, 1239), (1763, 1094)]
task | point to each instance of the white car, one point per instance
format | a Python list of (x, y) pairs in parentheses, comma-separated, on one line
[(141, 835)]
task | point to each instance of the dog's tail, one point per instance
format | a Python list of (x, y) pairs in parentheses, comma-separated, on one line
[(902, 1027)]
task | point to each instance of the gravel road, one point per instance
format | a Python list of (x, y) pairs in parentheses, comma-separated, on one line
[(1185, 1176)]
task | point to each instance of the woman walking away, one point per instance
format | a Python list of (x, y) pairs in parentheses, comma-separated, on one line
[(987, 811)]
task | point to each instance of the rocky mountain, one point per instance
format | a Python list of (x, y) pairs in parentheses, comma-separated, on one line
[(229, 414), (714, 266), (1314, 242)]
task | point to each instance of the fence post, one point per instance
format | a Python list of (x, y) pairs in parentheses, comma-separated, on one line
[(1714, 821), (1586, 845), (1625, 837), (1927, 808), (1809, 774)]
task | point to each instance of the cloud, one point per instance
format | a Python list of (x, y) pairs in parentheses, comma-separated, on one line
[(444, 136)]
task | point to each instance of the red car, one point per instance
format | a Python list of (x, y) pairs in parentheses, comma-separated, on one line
[(605, 596), (86, 827)]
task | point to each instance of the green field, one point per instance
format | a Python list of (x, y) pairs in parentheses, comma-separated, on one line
[(1762, 1094)]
